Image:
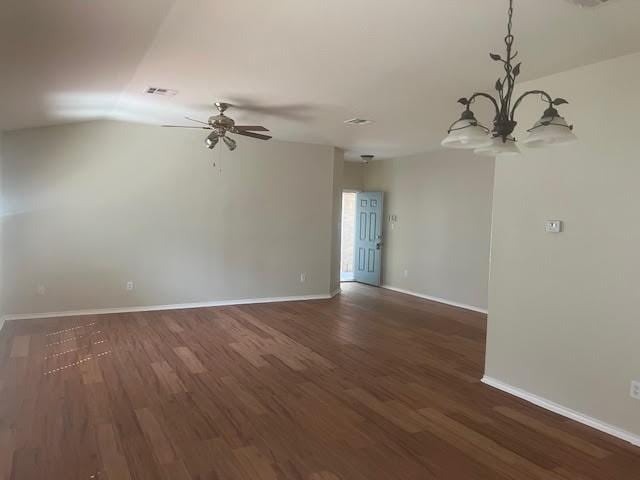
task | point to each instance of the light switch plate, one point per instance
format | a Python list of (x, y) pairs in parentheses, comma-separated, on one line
[(553, 226), (635, 390)]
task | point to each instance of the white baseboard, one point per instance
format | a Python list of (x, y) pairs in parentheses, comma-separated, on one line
[(437, 299), (153, 308), (564, 411), (335, 292)]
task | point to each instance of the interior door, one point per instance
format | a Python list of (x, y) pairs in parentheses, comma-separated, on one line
[(368, 242)]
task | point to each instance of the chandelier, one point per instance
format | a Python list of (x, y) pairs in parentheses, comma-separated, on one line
[(468, 133)]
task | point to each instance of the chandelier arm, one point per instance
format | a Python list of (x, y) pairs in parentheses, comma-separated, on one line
[(544, 94), (489, 97)]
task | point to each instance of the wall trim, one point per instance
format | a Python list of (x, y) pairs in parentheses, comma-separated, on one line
[(335, 292), (564, 411), (437, 299), (176, 306)]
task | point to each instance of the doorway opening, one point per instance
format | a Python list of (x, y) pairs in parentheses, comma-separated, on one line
[(348, 236)]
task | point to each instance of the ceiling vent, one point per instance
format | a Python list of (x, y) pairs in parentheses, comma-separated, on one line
[(588, 3), (165, 92), (358, 121)]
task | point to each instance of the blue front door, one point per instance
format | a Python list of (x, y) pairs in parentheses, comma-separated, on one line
[(368, 242)]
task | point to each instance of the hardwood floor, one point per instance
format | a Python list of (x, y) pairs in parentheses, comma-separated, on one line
[(369, 385)]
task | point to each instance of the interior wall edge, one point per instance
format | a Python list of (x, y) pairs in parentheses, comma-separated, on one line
[(437, 299), (564, 411), (2, 207)]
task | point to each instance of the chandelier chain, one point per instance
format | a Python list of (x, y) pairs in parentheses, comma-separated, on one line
[(509, 38), (510, 25)]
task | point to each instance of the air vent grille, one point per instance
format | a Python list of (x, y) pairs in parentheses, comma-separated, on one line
[(165, 92), (358, 121), (588, 3)]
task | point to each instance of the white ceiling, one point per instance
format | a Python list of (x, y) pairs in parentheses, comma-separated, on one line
[(300, 67)]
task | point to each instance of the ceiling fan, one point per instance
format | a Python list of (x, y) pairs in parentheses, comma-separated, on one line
[(221, 126)]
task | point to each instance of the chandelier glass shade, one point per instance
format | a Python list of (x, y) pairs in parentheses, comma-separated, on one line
[(550, 130), (499, 146), (468, 133)]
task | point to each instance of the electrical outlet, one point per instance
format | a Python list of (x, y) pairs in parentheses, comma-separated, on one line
[(41, 290), (635, 389), (303, 277), (406, 273), (130, 285)]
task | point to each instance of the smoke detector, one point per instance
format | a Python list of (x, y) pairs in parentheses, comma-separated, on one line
[(366, 159), (588, 3)]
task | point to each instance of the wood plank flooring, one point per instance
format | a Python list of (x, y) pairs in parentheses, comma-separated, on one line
[(369, 385)]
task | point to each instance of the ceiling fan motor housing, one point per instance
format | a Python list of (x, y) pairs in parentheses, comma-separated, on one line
[(221, 122)]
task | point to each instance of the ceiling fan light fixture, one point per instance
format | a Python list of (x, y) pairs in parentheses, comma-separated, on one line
[(212, 140), (230, 143)]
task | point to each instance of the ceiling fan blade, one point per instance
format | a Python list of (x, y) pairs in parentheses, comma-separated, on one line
[(253, 128), (253, 135), (186, 126), (197, 121)]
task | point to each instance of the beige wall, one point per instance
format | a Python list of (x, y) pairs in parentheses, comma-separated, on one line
[(353, 176), (564, 321), (93, 205), (442, 201)]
